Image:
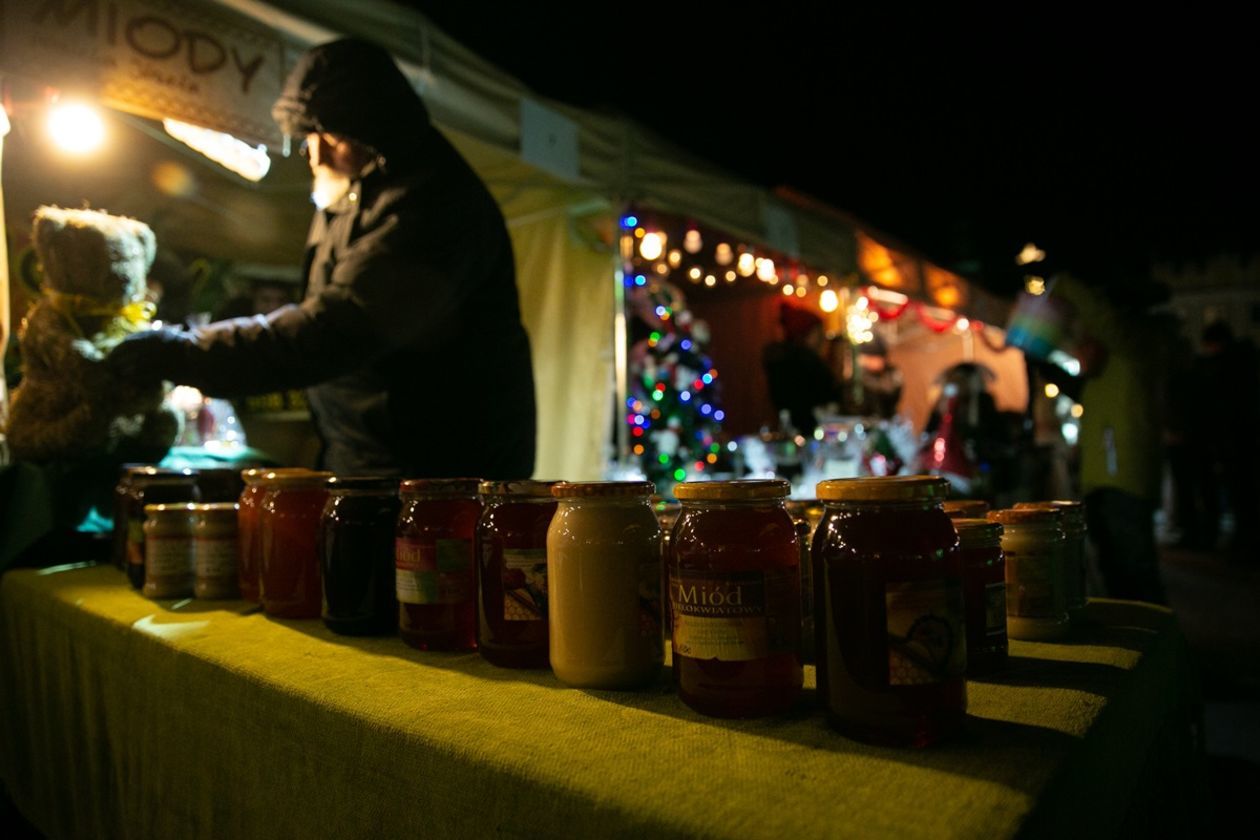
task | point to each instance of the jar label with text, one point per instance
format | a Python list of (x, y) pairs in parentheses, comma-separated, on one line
[(735, 616), (215, 558), (924, 620), (168, 558), (437, 573), (1034, 585), (524, 584)]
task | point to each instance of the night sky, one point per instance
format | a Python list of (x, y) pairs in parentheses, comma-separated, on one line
[(1110, 144)]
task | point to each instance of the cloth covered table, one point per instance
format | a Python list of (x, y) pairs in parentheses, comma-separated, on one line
[(124, 717)]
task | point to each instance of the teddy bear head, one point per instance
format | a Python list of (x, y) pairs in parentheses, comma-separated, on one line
[(87, 252)]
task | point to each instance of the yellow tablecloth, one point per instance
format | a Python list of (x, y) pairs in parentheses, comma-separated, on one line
[(124, 717)]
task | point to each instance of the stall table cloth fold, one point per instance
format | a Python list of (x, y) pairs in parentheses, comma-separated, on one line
[(125, 717)]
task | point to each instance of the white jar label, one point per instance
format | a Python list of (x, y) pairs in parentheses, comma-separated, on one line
[(924, 620)]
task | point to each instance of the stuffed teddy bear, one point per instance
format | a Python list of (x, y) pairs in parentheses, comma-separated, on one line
[(68, 403)]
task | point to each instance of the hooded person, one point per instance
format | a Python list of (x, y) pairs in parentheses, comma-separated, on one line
[(409, 336), (798, 378)]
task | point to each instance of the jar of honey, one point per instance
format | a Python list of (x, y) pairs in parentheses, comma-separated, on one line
[(892, 651), (603, 581), (1074, 566), (289, 520), (356, 555), (1034, 544), (248, 530), (511, 549), (735, 596), (984, 594), (148, 486), (434, 565), (168, 550), (215, 550)]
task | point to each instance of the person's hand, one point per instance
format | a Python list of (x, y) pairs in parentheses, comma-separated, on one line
[(149, 355)]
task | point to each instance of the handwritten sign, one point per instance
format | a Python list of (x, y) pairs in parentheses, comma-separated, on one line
[(192, 61)]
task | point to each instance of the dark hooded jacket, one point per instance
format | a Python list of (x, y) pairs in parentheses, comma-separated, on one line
[(410, 331)]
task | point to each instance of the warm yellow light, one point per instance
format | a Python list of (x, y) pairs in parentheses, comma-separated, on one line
[(829, 301), (787, 291), (1078, 410), (1034, 285), (730, 276), (800, 291), (765, 271), (250, 162), (746, 265), (710, 280), (76, 128), (962, 325), (1030, 254), (639, 232), (662, 269), (694, 273), (675, 258), (1052, 390), (822, 280), (724, 255), (651, 246), (692, 241)]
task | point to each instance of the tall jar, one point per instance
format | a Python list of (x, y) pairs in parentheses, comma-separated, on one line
[(289, 521), (892, 654), (511, 548), (168, 548), (667, 513), (214, 550), (1034, 544), (604, 582), (984, 594), (734, 591), (248, 530), (434, 564), (356, 555), (806, 513), (1074, 566), (151, 486)]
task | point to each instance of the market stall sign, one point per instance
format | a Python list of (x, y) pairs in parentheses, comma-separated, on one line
[(192, 61)]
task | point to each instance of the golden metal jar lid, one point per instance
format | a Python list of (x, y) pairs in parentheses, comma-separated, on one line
[(253, 475), (1073, 511), (976, 531), (602, 489), (523, 487), (286, 480), (897, 488), (459, 487), (1026, 515), (965, 508), (739, 490), (217, 508), (170, 509)]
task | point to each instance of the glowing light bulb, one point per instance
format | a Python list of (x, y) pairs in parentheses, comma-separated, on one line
[(730, 276), (746, 265), (829, 301), (962, 325), (1034, 285), (800, 291), (651, 246), (710, 280), (787, 291), (822, 280), (76, 128), (765, 271), (1052, 390), (695, 273), (692, 242), (675, 258), (724, 255), (1078, 411)]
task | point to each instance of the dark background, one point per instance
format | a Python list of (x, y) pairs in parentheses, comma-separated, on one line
[(1111, 143)]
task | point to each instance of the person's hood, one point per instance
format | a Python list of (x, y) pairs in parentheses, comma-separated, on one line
[(354, 89)]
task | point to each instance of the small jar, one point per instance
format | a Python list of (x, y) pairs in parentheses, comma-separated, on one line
[(148, 486), (289, 520), (892, 652), (122, 498), (984, 594), (603, 579), (356, 555), (434, 565), (168, 550), (511, 549), (735, 595), (965, 508), (1034, 543), (214, 550), (1074, 566)]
